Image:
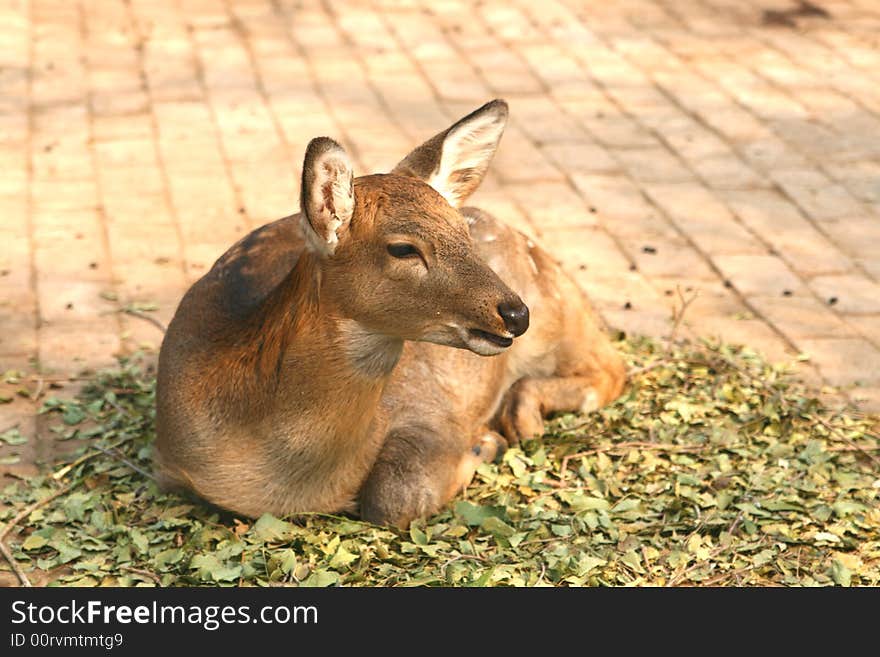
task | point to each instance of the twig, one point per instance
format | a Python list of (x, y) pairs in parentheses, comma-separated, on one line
[(35, 395), (648, 368), (117, 407), (152, 320), (144, 573), (85, 457), (62, 379), (735, 523), (714, 553), (15, 567), (678, 314), (725, 575), (849, 442), (460, 557), (24, 513), (541, 576), (62, 472), (126, 462), (854, 448)]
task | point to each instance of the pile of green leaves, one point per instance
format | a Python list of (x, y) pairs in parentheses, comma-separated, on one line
[(714, 468)]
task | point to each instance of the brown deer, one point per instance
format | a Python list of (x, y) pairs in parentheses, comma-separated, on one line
[(310, 369)]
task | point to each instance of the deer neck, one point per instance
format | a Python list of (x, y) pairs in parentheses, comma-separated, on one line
[(318, 363)]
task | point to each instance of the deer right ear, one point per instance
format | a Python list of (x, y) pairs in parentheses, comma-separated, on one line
[(327, 194), (455, 161)]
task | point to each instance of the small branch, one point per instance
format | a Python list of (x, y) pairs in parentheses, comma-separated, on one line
[(125, 462), (152, 320), (24, 513), (144, 573), (640, 444), (853, 446), (61, 379), (35, 395), (648, 368), (15, 567), (82, 459), (714, 581), (714, 553), (459, 557), (117, 407), (678, 314)]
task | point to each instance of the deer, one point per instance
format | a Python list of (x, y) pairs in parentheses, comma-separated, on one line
[(366, 355)]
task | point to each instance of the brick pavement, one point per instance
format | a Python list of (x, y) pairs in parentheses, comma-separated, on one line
[(653, 145)]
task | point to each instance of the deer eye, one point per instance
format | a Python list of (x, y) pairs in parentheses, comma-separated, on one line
[(403, 250)]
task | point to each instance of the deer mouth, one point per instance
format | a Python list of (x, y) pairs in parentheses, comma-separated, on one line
[(499, 340)]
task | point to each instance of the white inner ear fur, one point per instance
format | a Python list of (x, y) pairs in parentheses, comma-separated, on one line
[(331, 200), (469, 146)]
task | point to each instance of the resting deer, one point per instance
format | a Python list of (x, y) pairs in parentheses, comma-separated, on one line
[(310, 369)]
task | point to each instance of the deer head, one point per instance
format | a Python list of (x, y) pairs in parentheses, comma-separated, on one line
[(394, 254)]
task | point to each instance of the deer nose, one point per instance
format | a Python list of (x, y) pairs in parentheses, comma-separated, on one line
[(515, 316)]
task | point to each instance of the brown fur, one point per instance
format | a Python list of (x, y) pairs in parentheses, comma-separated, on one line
[(296, 378)]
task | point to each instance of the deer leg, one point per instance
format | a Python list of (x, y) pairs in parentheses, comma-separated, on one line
[(418, 471), (530, 400)]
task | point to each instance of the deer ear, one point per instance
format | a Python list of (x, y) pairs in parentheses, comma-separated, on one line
[(455, 161), (327, 195)]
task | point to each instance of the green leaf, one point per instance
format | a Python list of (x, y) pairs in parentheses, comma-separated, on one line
[(12, 437), (227, 574), (587, 563), (34, 542), (66, 551), (632, 559), (73, 415), (417, 535), (288, 561), (497, 527), (321, 578), (627, 504), (840, 573), (342, 557), (580, 502), (140, 542), (270, 529), (845, 508), (484, 579), (474, 515), (561, 530), (212, 570)]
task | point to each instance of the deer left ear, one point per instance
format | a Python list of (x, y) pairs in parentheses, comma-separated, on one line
[(455, 161), (327, 194)]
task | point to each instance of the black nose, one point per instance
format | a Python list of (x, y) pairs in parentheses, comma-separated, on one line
[(515, 316)]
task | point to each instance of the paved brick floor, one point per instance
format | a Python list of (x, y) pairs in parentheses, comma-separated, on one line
[(728, 148)]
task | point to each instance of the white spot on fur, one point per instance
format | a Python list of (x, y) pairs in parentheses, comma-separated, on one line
[(591, 402)]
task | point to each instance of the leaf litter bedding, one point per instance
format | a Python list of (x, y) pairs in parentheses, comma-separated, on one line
[(714, 469)]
